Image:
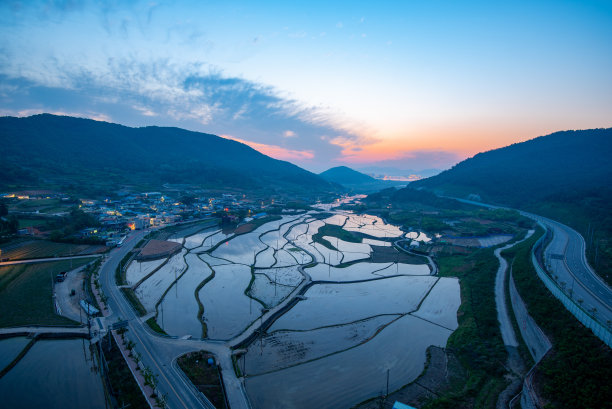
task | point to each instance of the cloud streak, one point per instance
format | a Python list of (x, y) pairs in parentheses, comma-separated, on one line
[(275, 151)]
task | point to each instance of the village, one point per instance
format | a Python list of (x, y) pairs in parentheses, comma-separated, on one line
[(44, 214)]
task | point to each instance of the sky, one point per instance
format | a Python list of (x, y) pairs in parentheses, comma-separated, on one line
[(403, 85)]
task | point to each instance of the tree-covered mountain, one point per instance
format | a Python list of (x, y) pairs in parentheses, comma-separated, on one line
[(356, 181), (47, 149), (565, 176), (549, 166)]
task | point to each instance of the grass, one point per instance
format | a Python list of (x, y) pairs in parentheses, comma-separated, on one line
[(155, 326), (132, 298), (206, 378), (121, 269), (26, 293), (477, 342), (23, 223), (122, 384), (43, 249), (577, 371)]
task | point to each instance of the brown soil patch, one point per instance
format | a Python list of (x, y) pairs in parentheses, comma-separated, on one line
[(385, 254), (158, 249), (245, 228)]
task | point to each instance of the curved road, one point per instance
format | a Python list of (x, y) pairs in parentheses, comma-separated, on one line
[(566, 258), (159, 353), (565, 254)]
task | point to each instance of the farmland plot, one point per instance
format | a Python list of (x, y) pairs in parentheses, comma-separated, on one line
[(178, 311), (354, 272), (269, 291), (151, 290), (333, 304), (240, 250), (138, 270), (212, 240), (227, 310), (282, 349), (441, 304), (405, 269), (265, 258), (351, 376)]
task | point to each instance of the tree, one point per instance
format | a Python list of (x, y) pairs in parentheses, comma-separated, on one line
[(3, 209)]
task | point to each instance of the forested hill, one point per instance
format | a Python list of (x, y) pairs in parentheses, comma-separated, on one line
[(550, 166), (47, 148), (565, 176)]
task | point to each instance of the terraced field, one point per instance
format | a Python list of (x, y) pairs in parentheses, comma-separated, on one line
[(351, 321)]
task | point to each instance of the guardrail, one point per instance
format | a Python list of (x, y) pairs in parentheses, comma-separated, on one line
[(600, 331)]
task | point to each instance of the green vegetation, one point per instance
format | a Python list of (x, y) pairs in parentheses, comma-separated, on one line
[(565, 176), (477, 342), (60, 147), (31, 249), (121, 269), (63, 228), (577, 372), (334, 231), (26, 293), (155, 326), (93, 269), (132, 298), (206, 378), (123, 387)]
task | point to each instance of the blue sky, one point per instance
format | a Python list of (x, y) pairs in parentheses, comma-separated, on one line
[(411, 84)]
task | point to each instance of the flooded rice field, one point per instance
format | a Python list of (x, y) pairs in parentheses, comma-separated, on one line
[(55, 374), (139, 270), (350, 376), (10, 348), (178, 311), (337, 316), (332, 304)]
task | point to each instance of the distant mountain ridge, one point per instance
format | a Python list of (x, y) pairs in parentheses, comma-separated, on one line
[(48, 147), (356, 181), (345, 175)]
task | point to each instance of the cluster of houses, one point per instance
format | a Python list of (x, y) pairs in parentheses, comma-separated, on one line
[(137, 211)]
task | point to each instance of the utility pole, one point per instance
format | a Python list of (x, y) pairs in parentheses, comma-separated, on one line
[(387, 383)]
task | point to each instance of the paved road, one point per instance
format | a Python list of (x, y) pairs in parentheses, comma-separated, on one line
[(157, 353), (160, 353), (566, 256), (505, 323)]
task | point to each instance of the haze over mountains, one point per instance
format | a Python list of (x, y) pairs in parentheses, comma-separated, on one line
[(49, 149)]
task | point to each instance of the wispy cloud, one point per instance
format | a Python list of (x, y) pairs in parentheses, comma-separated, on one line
[(275, 151)]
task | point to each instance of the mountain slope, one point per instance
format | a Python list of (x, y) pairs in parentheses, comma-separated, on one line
[(344, 175), (565, 176), (356, 181), (48, 147), (533, 170)]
